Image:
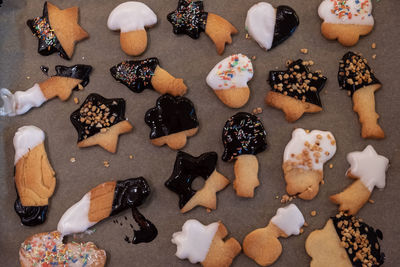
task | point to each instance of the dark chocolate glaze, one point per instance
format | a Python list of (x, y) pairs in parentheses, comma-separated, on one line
[(44, 69), (48, 41), (286, 23), (116, 108), (364, 229), (243, 134), (30, 215), (130, 194), (79, 71), (135, 74), (290, 87), (344, 76), (189, 18), (186, 169), (171, 115)]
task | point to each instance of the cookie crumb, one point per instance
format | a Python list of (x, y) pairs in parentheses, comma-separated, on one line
[(247, 36), (257, 111), (106, 164), (371, 201), (374, 56), (72, 159), (307, 131), (323, 182), (28, 77), (330, 166), (304, 50), (208, 210), (131, 156), (313, 213), (80, 87), (276, 197), (373, 45), (253, 57), (76, 100), (83, 58), (301, 230), (305, 224), (285, 199), (325, 91)]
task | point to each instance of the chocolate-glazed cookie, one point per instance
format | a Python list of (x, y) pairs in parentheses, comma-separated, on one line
[(171, 121), (243, 137)]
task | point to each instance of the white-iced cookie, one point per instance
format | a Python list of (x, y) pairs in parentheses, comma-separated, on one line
[(204, 243), (131, 18), (304, 159), (229, 80), (369, 170), (346, 20)]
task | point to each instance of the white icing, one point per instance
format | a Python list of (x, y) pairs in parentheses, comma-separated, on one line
[(21, 101), (76, 218), (25, 139), (260, 23), (131, 16), (194, 241), (232, 72), (356, 12), (369, 167), (289, 219), (303, 143)]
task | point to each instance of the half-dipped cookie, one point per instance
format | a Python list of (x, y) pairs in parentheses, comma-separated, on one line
[(171, 121), (100, 121)]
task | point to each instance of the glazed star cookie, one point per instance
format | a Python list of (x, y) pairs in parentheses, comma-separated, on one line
[(60, 85), (131, 18), (345, 241), (57, 30), (296, 90), (243, 137), (191, 19), (304, 159), (205, 244), (138, 75), (100, 121), (359, 80), (34, 177), (369, 170), (106, 200), (270, 27), (48, 249), (186, 169), (229, 80), (263, 246), (172, 121), (346, 20)]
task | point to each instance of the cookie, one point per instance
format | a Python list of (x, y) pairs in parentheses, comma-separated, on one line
[(270, 27), (243, 137), (263, 246), (359, 80), (106, 200), (229, 80), (345, 241), (191, 19), (205, 244), (60, 85), (172, 121), (47, 249), (186, 169), (304, 159), (100, 121), (131, 18), (33, 175), (369, 171), (346, 20), (296, 90), (138, 75), (57, 30)]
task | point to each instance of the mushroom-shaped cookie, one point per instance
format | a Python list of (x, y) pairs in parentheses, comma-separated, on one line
[(229, 80), (263, 246), (369, 170), (172, 121), (244, 136), (131, 18)]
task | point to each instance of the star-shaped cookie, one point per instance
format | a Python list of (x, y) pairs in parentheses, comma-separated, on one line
[(57, 30), (186, 169), (100, 121)]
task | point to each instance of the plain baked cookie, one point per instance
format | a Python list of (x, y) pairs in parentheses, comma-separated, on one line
[(205, 244), (346, 20), (229, 80), (345, 241), (369, 171), (304, 159), (263, 246), (131, 18), (186, 169)]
